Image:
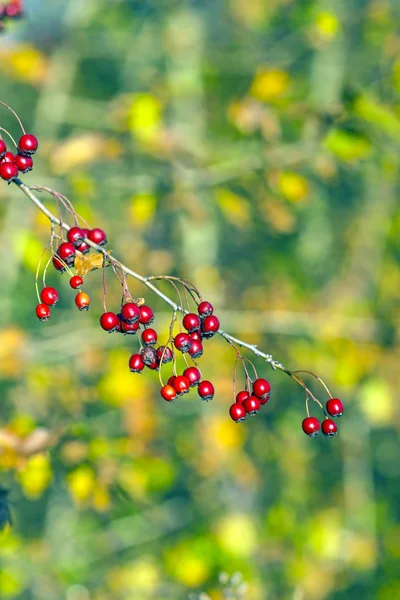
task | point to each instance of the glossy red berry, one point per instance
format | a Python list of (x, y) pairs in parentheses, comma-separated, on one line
[(149, 337), (193, 375), (3, 149), (28, 144), (8, 171), (171, 380), (24, 163), (237, 412), (66, 252), (75, 282), (191, 322), (130, 312), (146, 315), (206, 390), (168, 392), (109, 321), (128, 328), (58, 264), (98, 236), (242, 396), (329, 428), (154, 366), (149, 356), (164, 354), (182, 342), (82, 301), (334, 407), (262, 390), (196, 349), (181, 384), (83, 248), (209, 326), (43, 312), (311, 426), (205, 309), (9, 157), (136, 363), (76, 236), (195, 335), (252, 405), (49, 296)]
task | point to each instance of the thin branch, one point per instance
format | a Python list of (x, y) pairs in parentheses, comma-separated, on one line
[(147, 281)]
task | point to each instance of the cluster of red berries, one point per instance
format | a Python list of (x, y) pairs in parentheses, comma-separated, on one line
[(311, 426), (11, 10), (250, 403), (66, 252), (49, 298), (12, 164)]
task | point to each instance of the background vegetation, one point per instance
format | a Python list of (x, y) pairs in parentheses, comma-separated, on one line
[(253, 146)]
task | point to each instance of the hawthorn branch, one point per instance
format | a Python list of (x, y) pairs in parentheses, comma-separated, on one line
[(233, 341)]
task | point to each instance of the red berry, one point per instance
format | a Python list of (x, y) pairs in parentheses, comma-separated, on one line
[(149, 337), (149, 356), (205, 309), (252, 405), (311, 426), (334, 407), (181, 384), (66, 252), (49, 296), (83, 248), (136, 363), (242, 396), (237, 412), (196, 349), (168, 392), (209, 326), (43, 312), (146, 315), (98, 236), (3, 149), (8, 171), (24, 163), (75, 282), (153, 366), (82, 301), (195, 335), (109, 321), (206, 390), (171, 380), (262, 390), (9, 157), (76, 236), (128, 328), (191, 322), (329, 428), (165, 354), (58, 264), (130, 312), (193, 375), (182, 342), (28, 144)]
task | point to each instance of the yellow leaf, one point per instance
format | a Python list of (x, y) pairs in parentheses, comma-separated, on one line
[(269, 84), (81, 483), (236, 209), (144, 117), (83, 264), (142, 209), (24, 62), (36, 475), (327, 24), (293, 186)]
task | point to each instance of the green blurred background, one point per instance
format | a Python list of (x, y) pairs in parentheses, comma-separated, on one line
[(252, 146)]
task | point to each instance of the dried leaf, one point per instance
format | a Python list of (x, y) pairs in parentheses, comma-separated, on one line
[(83, 264)]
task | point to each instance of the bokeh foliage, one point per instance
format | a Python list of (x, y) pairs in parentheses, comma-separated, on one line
[(252, 146)]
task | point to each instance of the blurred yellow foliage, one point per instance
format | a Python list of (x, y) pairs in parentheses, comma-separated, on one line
[(142, 209), (235, 208), (186, 564), (12, 581), (81, 150), (36, 475), (144, 118), (81, 483), (377, 402), (347, 146), (24, 62), (292, 186), (12, 342), (327, 24), (236, 534), (269, 84)]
